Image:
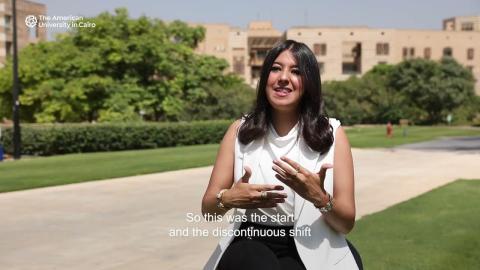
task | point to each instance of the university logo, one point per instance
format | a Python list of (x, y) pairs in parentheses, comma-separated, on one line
[(31, 21)]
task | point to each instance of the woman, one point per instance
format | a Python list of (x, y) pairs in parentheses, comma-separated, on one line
[(272, 168)]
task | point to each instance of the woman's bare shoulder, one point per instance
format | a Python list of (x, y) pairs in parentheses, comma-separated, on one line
[(341, 138), (232, 131), (236, 124)]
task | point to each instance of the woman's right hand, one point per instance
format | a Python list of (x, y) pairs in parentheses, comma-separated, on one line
[(245, 195)]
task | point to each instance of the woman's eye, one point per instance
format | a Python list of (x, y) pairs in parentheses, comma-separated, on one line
[(275, 69), (296, 71)]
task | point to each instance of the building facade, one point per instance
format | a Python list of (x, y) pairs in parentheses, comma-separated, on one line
[(345, 51), (25, 35), (244, 50)]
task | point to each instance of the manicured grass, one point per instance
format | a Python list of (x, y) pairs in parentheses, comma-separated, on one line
[(59, 170), (370, 137), (437, 230)]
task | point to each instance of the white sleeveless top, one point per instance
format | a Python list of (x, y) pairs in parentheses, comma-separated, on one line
[(323, 247), (274, 147)]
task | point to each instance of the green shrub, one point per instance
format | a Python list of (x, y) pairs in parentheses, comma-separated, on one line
[(468, 113), (54, 139)]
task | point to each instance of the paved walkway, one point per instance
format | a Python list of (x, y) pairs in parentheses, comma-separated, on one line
[(124, 223), (458, 144)]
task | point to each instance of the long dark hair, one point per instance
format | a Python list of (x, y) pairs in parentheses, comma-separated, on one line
[(314, 126)]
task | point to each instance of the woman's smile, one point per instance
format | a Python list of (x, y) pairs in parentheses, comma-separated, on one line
[(282, 91)]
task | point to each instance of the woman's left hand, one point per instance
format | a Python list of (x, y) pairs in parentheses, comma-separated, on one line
[(307, 184)]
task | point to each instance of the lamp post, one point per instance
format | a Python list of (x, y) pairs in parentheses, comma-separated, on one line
[(16, 88)]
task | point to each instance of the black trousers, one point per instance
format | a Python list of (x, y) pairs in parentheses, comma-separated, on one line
[(264, 252), (261, 247)]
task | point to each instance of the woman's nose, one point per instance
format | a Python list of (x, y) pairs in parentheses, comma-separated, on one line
[(283, 77)]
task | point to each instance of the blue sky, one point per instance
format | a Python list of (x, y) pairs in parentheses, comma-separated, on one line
[(404, 14)]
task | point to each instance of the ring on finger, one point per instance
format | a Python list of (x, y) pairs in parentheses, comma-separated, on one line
[(296, 173), (263, 195)]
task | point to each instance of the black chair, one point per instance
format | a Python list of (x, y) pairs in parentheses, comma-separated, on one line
[(356, 255)]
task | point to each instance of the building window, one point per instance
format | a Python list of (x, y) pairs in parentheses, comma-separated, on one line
[(351, 58), (261, 54), (239, 65), (33, 32), (470, 68), (350, 69), (321, 67), (408, 53), (383, 48), (8, 22), (8, 47), (467, 26), (470, 54), (447, 52), (427, 53), (386, 48), (320, 49)]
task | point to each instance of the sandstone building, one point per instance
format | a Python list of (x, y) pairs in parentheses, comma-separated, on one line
[(345, 51)]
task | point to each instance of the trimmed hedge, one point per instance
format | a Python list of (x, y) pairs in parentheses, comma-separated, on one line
[(54, 139)]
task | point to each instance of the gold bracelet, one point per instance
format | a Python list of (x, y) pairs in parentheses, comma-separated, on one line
[(219, 200), (328, 207)]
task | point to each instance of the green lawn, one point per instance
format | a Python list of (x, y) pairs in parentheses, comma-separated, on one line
[(66, 169), (437, 230), (58, 170)]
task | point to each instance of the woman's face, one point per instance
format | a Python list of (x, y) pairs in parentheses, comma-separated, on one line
[(284, 84)]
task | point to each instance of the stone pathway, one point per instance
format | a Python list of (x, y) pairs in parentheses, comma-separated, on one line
[(457, 144)]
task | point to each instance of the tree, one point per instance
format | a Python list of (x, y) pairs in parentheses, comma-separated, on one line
[(363, 100), (224, 102), (114, 71), (434, 88), (420, 90), (346, 100), (387, 104)]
